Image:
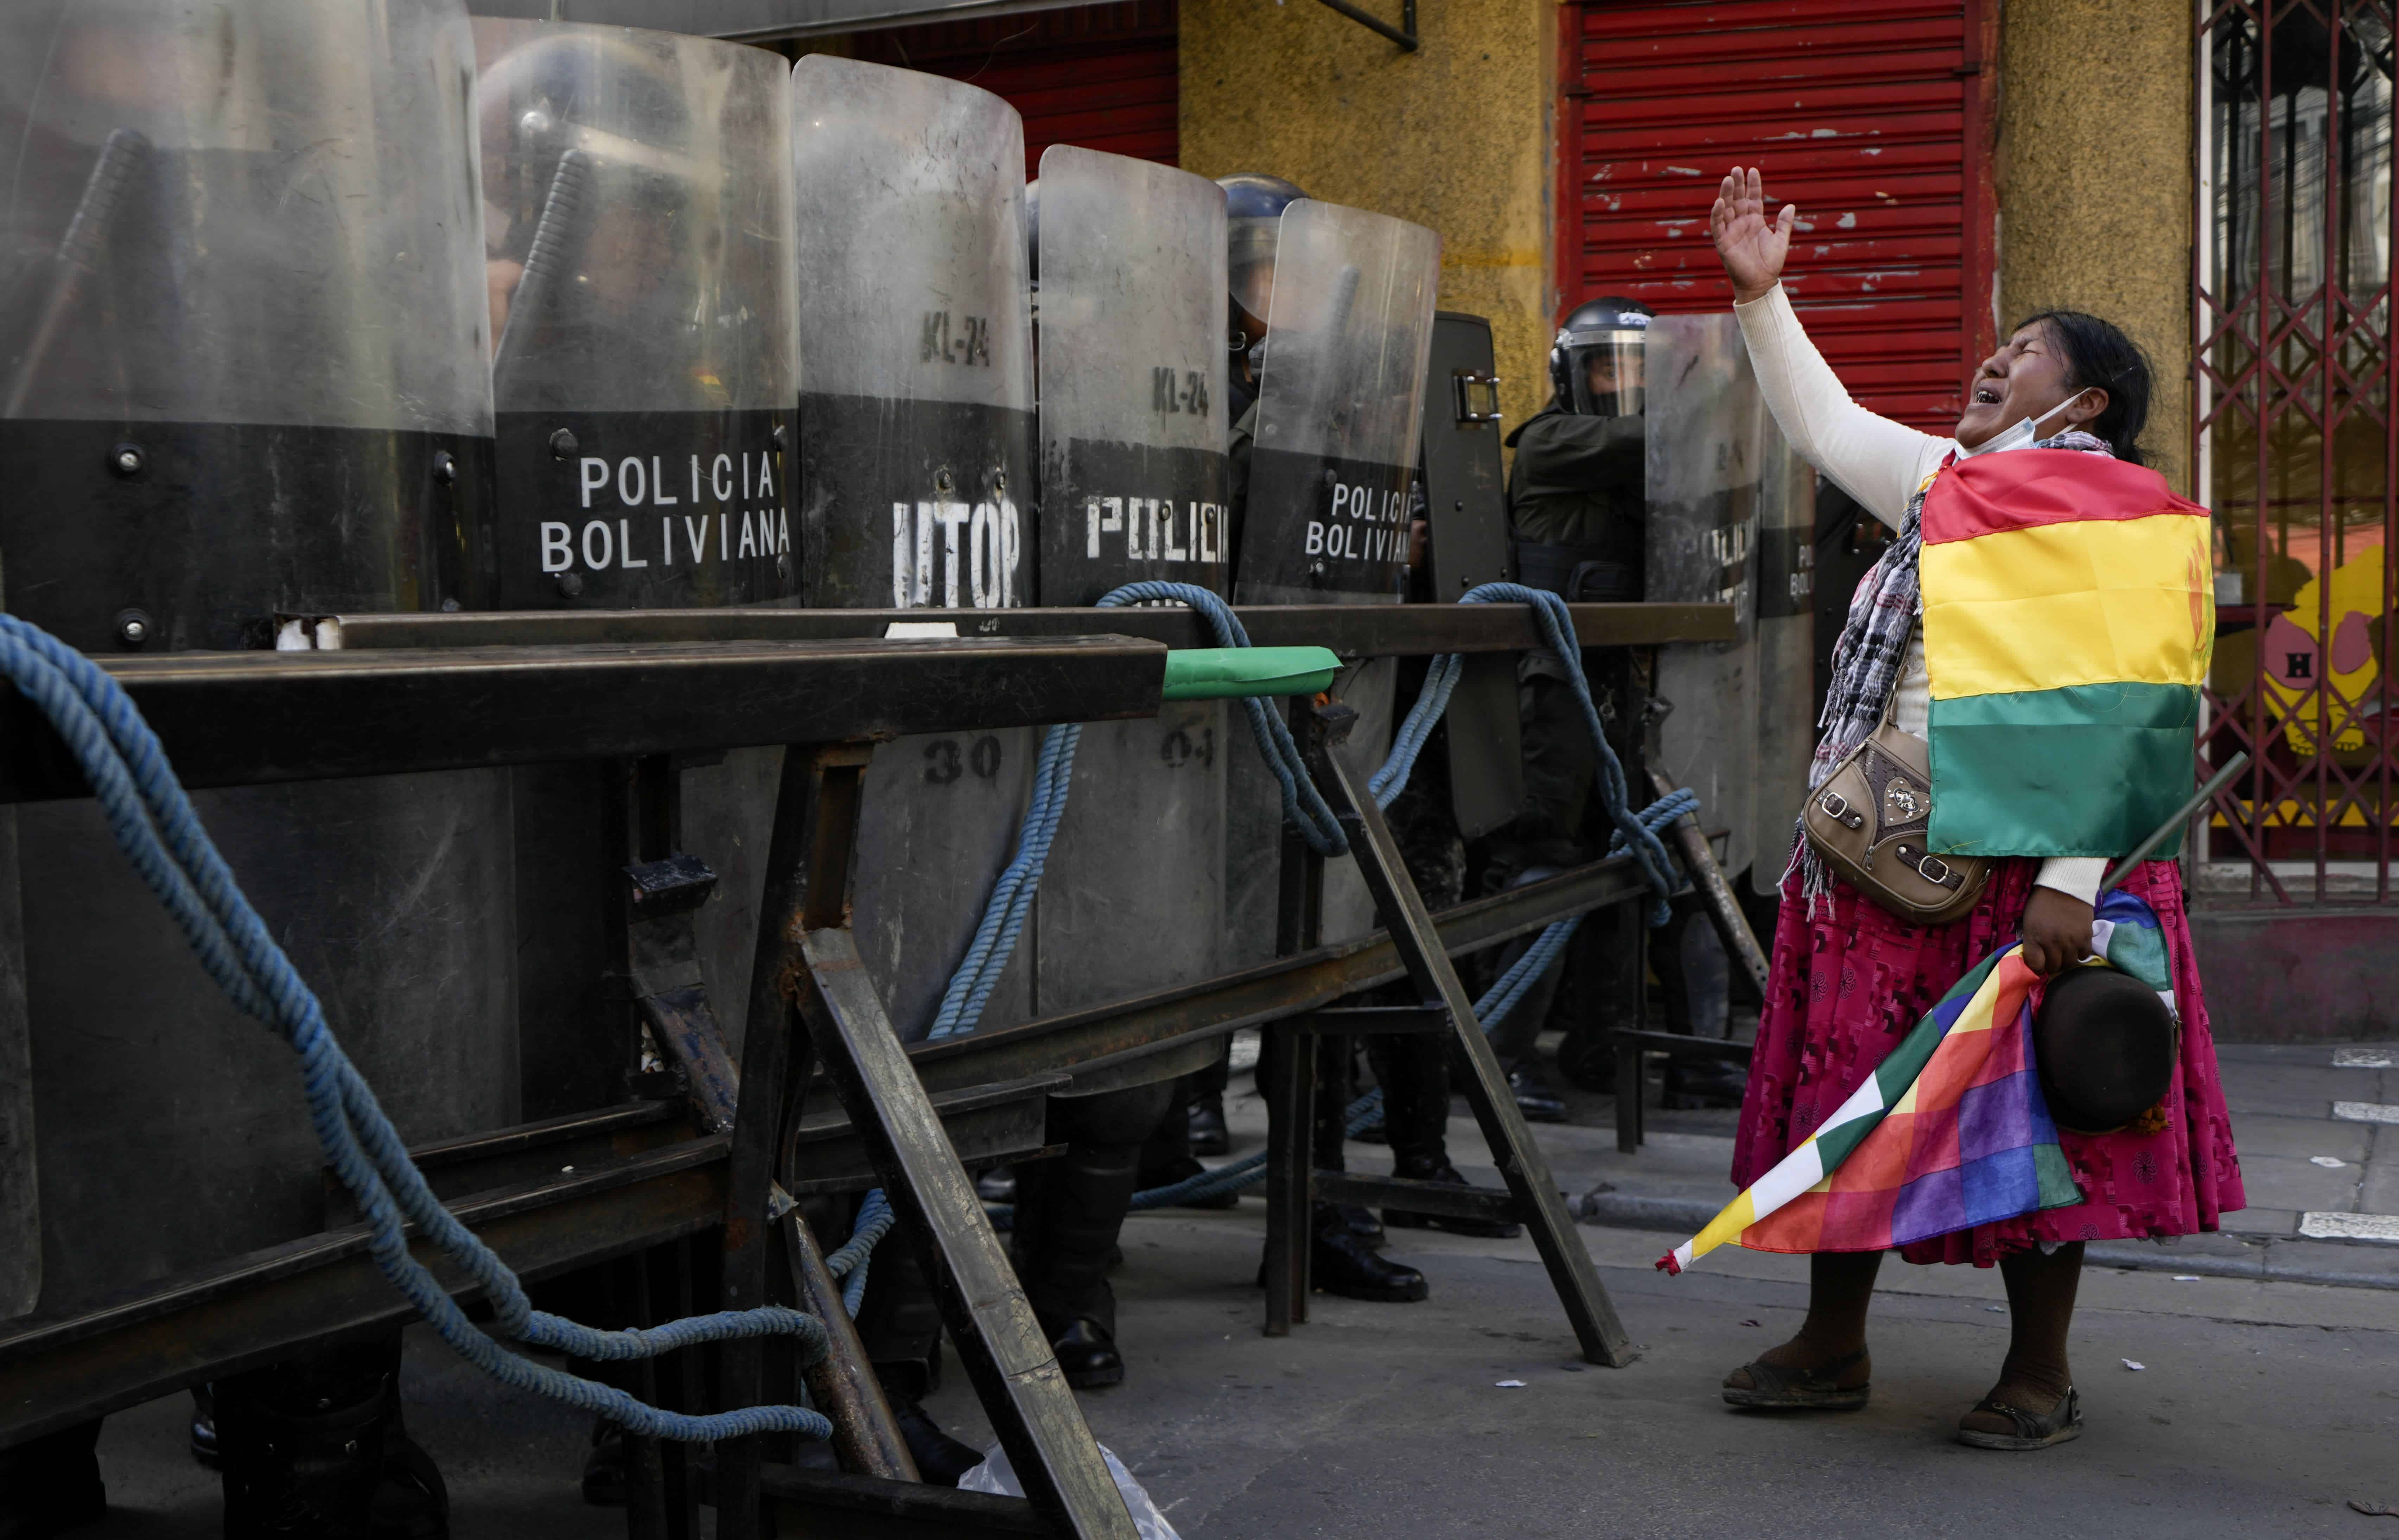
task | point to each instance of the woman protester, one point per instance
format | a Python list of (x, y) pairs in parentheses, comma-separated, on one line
[(1849, 978)]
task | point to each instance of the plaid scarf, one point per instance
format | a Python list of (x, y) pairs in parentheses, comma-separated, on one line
[(1873, 651)]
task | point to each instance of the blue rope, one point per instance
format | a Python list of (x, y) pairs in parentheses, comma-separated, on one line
[(1506, 993), (154, 823), (1557, 623), (875, 1221), (1011, 897), (1634, 830)]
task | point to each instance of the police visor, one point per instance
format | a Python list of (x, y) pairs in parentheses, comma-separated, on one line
[(1603, 371)]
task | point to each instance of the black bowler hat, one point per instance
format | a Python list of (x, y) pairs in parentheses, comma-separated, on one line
[(2105, 1046)]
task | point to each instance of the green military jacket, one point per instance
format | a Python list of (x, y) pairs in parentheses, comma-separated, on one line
[(1578, 481)]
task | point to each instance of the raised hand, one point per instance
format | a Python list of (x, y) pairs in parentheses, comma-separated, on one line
[(1752, 247)]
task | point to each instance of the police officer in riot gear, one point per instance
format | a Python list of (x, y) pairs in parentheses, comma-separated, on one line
[(1253, 206), (1576, 494), (1412, 1070), (1579, 510)]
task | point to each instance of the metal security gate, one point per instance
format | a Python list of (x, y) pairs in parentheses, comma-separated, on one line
[(1872, 115), (1101, 77), (2295, 442)]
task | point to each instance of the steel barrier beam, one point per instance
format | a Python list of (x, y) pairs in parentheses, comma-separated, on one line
[(249, 719), (1353, 630)]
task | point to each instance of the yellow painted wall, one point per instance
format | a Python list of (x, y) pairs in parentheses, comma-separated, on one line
[(1457, 136), (2094, 168)]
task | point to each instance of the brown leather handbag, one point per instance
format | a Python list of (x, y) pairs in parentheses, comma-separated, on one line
[(1868, 822)]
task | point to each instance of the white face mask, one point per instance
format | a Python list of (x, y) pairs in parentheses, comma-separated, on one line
[(2023, 435)]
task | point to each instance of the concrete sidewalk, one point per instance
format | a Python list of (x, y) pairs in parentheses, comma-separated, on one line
[(2315, 1125)]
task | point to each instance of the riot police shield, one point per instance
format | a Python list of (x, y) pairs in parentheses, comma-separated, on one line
[(916, 399), (1787, 651), (638, 231), (226, 274), (1704, 445), (1132, 375), (1466, 512), (917, 467), (1350, 324), (1129, 318), (248, 383)]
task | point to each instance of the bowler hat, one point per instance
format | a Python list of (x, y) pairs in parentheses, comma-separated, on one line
[(2106, 1044)]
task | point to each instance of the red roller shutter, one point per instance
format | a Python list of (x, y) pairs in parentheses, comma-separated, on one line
[(1101, 77), (1872, 115)]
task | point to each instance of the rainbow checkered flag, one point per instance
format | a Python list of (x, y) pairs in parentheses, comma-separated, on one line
[(1948, 1132)]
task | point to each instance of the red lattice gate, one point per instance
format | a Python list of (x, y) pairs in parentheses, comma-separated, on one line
[(2295, 442)]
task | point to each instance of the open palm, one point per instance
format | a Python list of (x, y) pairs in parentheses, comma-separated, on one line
[(1752, 247)]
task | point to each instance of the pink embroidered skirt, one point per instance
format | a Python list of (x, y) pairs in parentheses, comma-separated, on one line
[(1848, 985)]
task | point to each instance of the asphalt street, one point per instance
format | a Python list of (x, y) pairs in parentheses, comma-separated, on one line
[(2262, 1405)]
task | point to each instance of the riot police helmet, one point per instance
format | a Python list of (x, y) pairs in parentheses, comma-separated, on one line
[(559, 91), (1253, 206), (1595, 362)]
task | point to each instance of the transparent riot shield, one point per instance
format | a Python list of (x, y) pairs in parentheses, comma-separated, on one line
[(916, 399), (637, 235), (238, 260), (1705, 443), (1787, 651), (1337, 434), (917, 467), (1132, 375), (241, 283), (1131, 263)]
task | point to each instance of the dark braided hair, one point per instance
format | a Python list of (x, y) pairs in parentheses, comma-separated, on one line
[(2096, 354)]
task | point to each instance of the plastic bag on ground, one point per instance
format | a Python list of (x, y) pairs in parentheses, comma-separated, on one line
[(997, 1476)]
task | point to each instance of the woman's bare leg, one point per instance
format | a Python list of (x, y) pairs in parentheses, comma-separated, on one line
[(1840, 1286), (2040, 1312)]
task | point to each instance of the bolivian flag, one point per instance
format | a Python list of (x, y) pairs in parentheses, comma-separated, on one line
[(2068, 616)]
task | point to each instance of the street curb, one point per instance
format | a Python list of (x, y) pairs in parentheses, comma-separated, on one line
[(1687, 1217)]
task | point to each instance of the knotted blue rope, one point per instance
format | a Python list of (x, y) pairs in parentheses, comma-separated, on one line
[(1557, 623), (1011, 897), (153, 822)]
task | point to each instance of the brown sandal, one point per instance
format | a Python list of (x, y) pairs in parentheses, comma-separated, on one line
[(1780, 1387), (2061, 1423)]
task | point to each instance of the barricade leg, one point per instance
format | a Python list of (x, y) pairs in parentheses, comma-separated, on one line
[(1015, 1373), (1288, 1069), (1537, 1202)]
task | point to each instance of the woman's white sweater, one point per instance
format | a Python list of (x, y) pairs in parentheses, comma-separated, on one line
[(1879, 463)]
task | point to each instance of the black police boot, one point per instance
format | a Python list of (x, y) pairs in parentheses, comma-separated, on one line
[(996, 1185), (1416, 1095), (1443, 1171), (1360, 1222), (314, 1450), (1088, 1356), (940, 1458), (1069, 1212), (1536, 1100), (51, 1484), (1340, 1263), (1209, 1134), (204, 1427), (604, 1468), (1587, 1060), (1705, 1082)]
